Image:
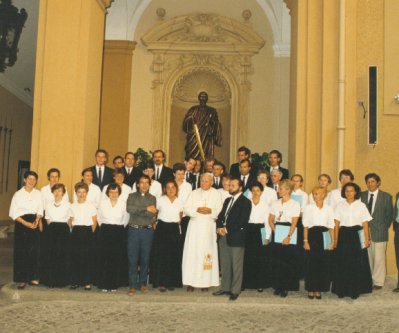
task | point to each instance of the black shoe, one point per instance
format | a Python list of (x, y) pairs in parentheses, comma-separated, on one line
[(276, 292), (162, 290), (233, 297), (21, 287), (33, 284), (171, 289), (73, 287), (260, 290), (311, 297), (318, 297), (284, 294), (221, 292), (87, 288)]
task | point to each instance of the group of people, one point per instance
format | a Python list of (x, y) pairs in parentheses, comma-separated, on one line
[(255, 228)]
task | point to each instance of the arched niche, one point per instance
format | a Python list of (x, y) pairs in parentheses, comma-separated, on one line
[(208, 41)]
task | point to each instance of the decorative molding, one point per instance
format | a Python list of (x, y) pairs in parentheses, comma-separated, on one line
[(119, 46), (282, 49), (17, 91)]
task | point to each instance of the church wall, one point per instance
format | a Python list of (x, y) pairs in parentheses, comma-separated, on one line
[(262, 105), (21, 113), (381, 158)]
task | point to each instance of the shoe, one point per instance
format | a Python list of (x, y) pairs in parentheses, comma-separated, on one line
[(318, 297), (260, 290), (104, 290), (88, 288), (21, 286), (311, 296), (243, 289), (131, 292), (162, 289), (204, 290), (221, 292), (113, 290), (276, 292), (190, 289), (33, 284), (284, 294), (375, 288), (396, 290), (73, 287), (171, 289), (144, 289), (233, 297)]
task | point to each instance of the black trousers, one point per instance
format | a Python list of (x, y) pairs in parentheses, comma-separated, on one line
[(82, 241), (184, 225), (26, 251), (396, 242), (58, 255)]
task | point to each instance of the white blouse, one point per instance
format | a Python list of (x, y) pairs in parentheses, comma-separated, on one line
[(126, 190), (168, 211), (315, 217), (82, 213), (93, 196), (260, 215), (184, 191), (225, 194), (336, 198), (23, 203), (113, 215), (353, 214), (326, 200), (285, 212), (49, 196), (269, 195), (58, 212), (155, 189), (305, 197)]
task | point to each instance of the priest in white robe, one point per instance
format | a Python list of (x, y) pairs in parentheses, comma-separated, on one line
[(200, 254)]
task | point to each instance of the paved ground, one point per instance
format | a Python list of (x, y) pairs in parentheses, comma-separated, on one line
[(39, 309)]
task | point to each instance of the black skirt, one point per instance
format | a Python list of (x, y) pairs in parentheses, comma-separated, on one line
[(58, 255), (300, 260), (284, 267), (112, 248), (353, 275), (167, 269), (26, 251), (256, 273), (44, 252), (317, 262), (95, 263), (82, 241)]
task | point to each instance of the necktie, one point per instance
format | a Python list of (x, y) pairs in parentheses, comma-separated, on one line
[(243, 180), (217, 181), (275, 188), (100, 175), (187, 177), (370, 204), (228, 211), (157, 173), (128, 172)]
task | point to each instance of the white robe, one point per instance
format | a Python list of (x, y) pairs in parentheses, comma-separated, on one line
[(200, 255)]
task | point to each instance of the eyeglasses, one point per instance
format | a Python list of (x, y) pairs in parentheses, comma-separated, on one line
[(259, 177)]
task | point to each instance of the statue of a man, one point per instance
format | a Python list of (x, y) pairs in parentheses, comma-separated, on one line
[(209, 128)]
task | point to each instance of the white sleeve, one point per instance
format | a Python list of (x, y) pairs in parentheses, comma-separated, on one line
[(40, 207), (330, 222), (189, 208), (14, 207), (219, 206), (134, 189), (306, 217), (365, 214), (296, 210), (66, 196), (266, 222), (75, 197)]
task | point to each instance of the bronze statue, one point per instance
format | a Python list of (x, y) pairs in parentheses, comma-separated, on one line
[(209, 129)]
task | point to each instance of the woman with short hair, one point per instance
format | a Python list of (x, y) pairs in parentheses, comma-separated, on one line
[(353, 274), (119, 177), (268, 194), (284, 213), (112, 219), (324, 181), (26, 210), (57, 218), (225, 190), (93, 192)]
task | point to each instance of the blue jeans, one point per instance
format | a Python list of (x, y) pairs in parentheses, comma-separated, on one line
[(139, 242)]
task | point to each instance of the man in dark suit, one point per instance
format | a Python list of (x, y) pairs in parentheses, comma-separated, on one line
[(275, 158), (162, 172), (379, 204), (218, 170), (243, 154), (231, 225), (197, 174), (102, 175), (132, 173), (275, 178), (190, 163), (245, 175)]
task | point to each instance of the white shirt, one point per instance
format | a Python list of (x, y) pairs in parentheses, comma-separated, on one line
[(155, 189), (93, 196), (374, 198), (336, 198), (225, 194), (273, 168), (169, 212), (102, 171), (313, 216), (326, 200), (260, 214), (285, 212), (49, 196), (158, 172), (82, 213), (58, 212), (305, 197), (184, 191), (269, 195), (351, 215), (126, 190), (23, 203), (113, 215)]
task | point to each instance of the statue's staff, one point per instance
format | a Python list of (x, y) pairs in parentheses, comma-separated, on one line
[(4, 157), (197, 136), (8, 160)]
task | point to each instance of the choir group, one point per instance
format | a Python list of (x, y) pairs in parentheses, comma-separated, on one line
[(175, 225)]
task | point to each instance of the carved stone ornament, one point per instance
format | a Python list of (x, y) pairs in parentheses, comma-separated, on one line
[(198, 50)]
